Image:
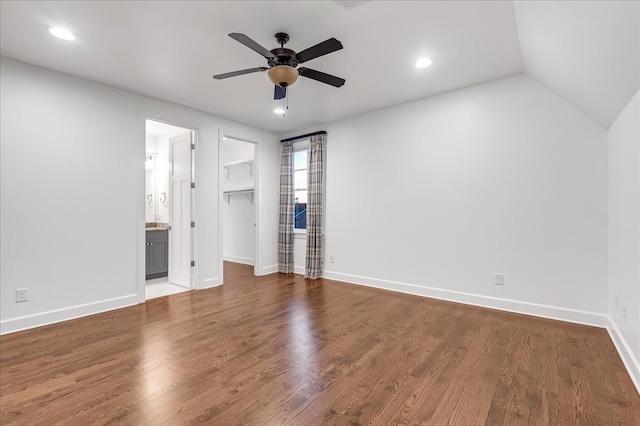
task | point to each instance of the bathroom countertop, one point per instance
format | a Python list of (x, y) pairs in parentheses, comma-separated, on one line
[(156, 227)]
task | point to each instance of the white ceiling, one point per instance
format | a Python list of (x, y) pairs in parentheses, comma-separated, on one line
[(587, 52), (169, 50)]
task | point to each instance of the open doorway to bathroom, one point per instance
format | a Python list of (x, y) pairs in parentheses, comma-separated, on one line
[(168, 208)]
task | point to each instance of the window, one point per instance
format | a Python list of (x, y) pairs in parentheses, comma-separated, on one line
[(300, 188)]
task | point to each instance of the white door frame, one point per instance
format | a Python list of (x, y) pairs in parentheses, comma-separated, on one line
[(143, 116), (256, 201)]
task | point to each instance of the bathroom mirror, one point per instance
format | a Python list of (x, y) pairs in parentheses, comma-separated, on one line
[(156, 188), (150, 193)]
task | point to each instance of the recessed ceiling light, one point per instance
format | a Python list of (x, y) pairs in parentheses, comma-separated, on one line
[(62, 33), (423, 62), (278, 111)]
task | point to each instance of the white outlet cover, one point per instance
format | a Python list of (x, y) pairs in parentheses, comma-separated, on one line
[(21, 295)]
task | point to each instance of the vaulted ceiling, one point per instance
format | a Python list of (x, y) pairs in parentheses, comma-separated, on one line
[(586, 51)]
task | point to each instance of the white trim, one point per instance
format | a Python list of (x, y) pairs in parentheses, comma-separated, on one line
[(140, 183), (220, 212), (195, 207), (267, 270), (211, 282), (13, 325), (628, 358), (237, 259), (535, 309), (298, 270)]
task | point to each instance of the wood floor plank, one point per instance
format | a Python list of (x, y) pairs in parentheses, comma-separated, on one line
[(283, 350)]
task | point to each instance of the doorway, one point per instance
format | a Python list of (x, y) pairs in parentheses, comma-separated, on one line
[(239, 204), (169, 196)]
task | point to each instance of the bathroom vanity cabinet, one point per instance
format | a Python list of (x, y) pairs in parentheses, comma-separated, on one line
[(157, 254)]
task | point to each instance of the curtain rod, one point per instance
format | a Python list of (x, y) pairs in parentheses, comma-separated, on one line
[(321, 132)]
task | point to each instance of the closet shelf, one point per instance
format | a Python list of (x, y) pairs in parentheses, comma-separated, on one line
[(246, 163), (233, 163), (248, 192)]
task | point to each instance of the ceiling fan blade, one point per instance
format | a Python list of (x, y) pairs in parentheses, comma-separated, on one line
[(239, 37), (321, 77), (318, 50), (240, 72), (280, 92)]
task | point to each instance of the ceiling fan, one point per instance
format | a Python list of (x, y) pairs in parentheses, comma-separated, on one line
[(283, 62)]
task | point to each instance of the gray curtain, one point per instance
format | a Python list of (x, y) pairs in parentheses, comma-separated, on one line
[(285, 221), (315, 244)]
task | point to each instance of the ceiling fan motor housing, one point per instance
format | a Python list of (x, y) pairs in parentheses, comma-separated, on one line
[(283, 56)]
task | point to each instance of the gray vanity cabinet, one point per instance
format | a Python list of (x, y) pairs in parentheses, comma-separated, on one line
[(157, 264)]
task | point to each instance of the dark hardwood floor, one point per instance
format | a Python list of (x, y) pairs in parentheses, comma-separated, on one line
[(279, 350)]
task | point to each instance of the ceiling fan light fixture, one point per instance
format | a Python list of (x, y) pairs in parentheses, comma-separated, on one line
[(283, 75)]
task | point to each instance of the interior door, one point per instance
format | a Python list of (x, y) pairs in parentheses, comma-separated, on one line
[(180, 210)]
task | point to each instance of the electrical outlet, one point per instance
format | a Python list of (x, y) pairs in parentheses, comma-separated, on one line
[(332, 259), (21, 295), (624, 312), (617, 302), (499, 279)]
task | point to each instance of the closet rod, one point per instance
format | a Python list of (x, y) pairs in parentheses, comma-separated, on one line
[(321, 132)]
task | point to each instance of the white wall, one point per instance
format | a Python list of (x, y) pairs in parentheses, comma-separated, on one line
[(299, 253), (72, 194), (234, 150), (435, 196), (239, 230), (624, 229)]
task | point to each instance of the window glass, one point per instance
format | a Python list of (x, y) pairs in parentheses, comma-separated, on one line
[(300, 186), (300, 160), (300, 179)]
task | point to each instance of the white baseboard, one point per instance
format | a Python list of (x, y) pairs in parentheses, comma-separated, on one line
[(271, 269), (545, 311), (298, 270), (209, 283), (628, 358), (238, 259), (45, 318)]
